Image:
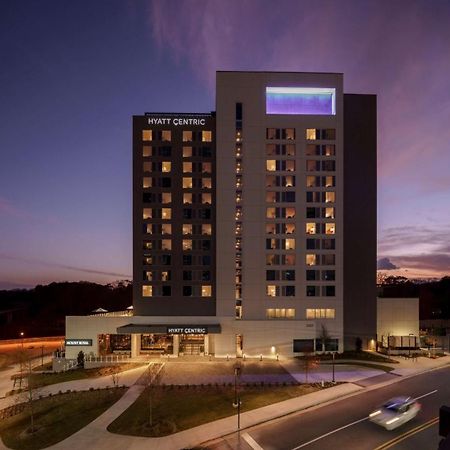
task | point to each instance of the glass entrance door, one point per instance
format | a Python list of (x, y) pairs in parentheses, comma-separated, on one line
[(192, 344)]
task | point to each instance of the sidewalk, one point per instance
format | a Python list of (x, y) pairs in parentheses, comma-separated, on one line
[(96, 436)]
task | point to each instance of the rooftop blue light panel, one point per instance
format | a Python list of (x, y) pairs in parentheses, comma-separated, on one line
[(301, 100)]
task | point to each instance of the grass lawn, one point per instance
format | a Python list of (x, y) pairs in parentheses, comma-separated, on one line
[(56, 418), (179, 408), (45, 366), (360, 356), (45, 379), (369, 365)]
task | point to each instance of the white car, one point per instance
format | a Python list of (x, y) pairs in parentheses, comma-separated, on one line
[(395, 412)]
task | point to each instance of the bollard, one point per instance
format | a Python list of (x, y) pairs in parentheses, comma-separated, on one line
[(260, 357), (228, 357)]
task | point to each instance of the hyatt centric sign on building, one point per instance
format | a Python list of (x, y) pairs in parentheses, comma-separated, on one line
[(187, 330), (176, 121)]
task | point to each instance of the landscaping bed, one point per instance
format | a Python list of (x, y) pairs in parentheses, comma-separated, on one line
[(56, 418), (177, 408)]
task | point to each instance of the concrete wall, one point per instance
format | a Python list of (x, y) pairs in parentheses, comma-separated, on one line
[(397, 317)]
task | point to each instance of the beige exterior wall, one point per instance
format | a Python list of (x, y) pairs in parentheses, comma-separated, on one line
[(249, 89), (397, 317)]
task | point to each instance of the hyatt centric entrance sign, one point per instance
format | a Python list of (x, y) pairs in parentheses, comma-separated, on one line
[(187, 330), (78, 342), (176, 121)]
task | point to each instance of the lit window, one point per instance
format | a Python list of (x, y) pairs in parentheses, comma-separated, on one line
[(187, 244), (311, 259), (271, 180), (187, 229), (206, 167), (148, 260), (288, 260), (166, 213), (290, 313), (329, 181), (165, 275), (206, 229), (148, 276), (187, 167), (271, 149), (187, 182), (290, 244), (270, 228), (166, 135), (166, 244), (206, 290), (206, 183), (271, 290), (166, 228), (290, 165), (329, 150), (271, 197), (280, 313), (147, 135), (187, 136), (310, 313), (311, 181), (146, 151), (187, 152), (330, 313), (329, 213), (271, 165), (166, 166), (147, 291), (187, 198), (320, 313), (147, 182), (148, 228), (166, 197), (290, 133), (290, 213), (330, 228), (147, 213), (310, 228), (270, 213), (206, 199), (147, 167), (290, 228), (206, 136), (311, 134), (330, 197), (290, 149), (289, 181)]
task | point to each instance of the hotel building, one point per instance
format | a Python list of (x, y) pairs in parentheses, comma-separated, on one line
[(254, 227)]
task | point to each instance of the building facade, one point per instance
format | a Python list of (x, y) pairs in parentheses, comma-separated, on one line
[(240, 224)]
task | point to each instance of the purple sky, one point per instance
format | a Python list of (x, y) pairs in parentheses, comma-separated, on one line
[(73, 73)]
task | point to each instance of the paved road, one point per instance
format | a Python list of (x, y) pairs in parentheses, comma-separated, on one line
[(344, 424)]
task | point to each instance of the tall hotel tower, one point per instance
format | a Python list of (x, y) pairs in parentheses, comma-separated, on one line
[(255, 226)]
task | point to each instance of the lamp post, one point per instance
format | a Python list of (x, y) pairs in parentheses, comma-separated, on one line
[(409, 344), (334, 355), (21, 338), (237, 400), (21, 360)]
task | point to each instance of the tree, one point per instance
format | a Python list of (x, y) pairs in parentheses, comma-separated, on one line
[(324, 336), (309, 362), (80, 359)]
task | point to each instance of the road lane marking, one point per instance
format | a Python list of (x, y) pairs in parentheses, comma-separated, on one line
[(330, 432), (250, 441), (349, 425), (408, 434), (425, 395)]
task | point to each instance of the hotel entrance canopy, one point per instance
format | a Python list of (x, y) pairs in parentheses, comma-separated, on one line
[(169, 329)]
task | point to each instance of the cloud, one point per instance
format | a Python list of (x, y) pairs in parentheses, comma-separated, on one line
[(385, 264), (64, 266)]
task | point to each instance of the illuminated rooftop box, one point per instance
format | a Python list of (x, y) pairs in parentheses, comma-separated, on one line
[(301, 100)]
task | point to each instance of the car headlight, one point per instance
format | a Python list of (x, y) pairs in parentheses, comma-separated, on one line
[(375, 413)]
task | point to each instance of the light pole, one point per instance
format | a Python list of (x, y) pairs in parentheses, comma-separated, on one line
[(334, 355), (21, 338), (21, 360), (237, 400), (409, 344)]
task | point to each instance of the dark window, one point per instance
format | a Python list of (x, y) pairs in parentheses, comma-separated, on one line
[(206, 245), (205, 152), (166, 260), (303, 345), (312, 291), (328, 275), (187, 291), (270, 275), (288, 275), (289, 291), (166, 291), (187, 213), (328, 244), (312, 244), (187, 260), (206, 260), (165, 151), (166, 182), (331, 345), (206, 275), (312, 275), (205, 214), (329, 291), (187, 275)]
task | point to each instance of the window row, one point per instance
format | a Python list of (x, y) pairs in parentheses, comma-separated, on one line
[(157, 213), (159, 166), (320, 228), (199, 183), (157, 197), (203, 152), (284, 275), (166, 150), (280, 181), (166, 135), (148, 151), (280, 228), (280, 260), (166, 197), (280, 213), (166, 260), (320, 313), (313, 134), (314, 275), (320, 150), (317, 213), (157, 275), (166, 291), (187, 244), (320, 197), (187, 229), (315, 181), (314, 291), (316, 244), (273, 290), (313, 259), (313, 165), (280, 165), (280, 244), (280, 313), (280, 149), (280, 133), (280, 197)]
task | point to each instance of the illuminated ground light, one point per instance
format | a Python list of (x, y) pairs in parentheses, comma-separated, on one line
[(300, 100)]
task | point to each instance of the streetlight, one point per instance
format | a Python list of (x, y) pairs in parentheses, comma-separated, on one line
[(237, 400), (409, 344), (21, 337)]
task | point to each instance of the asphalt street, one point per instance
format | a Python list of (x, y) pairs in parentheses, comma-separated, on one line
[(345, 425)]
